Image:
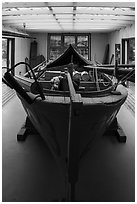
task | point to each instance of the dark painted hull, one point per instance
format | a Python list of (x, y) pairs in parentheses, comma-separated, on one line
[(51, 119)]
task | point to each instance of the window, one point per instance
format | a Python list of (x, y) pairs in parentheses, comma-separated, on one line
[(69, 39), (131, 51), (128, 51), (128, 54), (82, 41), (4, 55), (58, 43), (4, 52), (7, 53)]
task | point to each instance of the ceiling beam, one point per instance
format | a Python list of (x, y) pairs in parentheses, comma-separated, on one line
[(74, 13), (99, 21), (55, 26), (25, 12), (71, 31), (68, 16), (76, 28), (83, 27), (105, 12), (64, 16), (54, 16), (105, 17), (79, 11), (68, 4)]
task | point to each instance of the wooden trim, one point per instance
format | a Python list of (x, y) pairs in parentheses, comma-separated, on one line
[(7, 53), (123, 51), (73, 95), (12, 53), (73, 138)]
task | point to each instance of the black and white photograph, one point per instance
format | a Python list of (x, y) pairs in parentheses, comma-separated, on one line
[(68, 101)]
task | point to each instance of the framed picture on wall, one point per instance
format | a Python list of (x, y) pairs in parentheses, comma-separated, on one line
[(117, 53)]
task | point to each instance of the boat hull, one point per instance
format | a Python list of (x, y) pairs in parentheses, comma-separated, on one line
[(51, 119)]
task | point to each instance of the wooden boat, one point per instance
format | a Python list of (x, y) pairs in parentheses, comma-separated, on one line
[(71, 118)]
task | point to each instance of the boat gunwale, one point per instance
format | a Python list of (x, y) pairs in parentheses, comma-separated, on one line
[(62, 100)]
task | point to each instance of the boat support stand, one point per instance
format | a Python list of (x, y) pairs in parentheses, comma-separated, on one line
[(116, 130), (26, 129)]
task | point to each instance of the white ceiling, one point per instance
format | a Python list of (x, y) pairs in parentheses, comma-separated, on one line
[(68, 16)]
